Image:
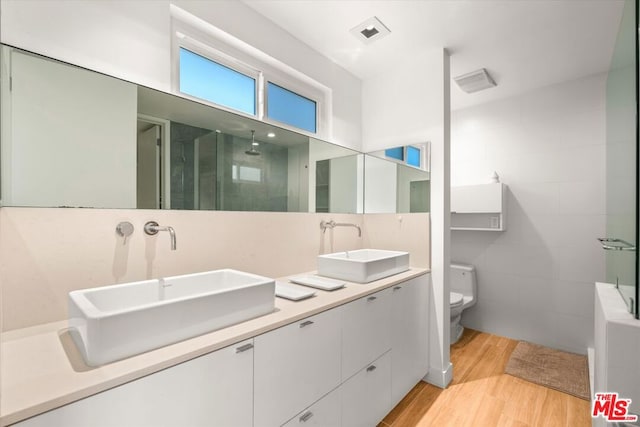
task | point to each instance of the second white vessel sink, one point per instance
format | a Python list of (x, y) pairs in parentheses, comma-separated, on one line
[(113, 322), (363, 265)]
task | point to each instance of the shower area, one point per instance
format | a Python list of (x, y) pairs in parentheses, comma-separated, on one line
[(212, 170), (620, 242)]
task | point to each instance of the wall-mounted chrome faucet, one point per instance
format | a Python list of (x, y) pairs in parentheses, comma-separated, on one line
[(151, 228), (332, 224)]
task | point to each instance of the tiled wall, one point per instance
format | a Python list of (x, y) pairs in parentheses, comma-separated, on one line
[(45, 253), (536, 280)]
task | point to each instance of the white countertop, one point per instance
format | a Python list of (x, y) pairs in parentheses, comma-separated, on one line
[(41, 369)]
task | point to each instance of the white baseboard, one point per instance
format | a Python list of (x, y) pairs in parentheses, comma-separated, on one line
[(439, 378)]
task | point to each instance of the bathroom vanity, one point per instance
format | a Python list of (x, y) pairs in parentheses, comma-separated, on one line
[(341, 358)]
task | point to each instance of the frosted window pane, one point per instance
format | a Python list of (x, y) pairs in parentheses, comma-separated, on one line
[(246, 173)]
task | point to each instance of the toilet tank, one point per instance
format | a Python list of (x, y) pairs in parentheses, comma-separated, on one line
[(463, 279)]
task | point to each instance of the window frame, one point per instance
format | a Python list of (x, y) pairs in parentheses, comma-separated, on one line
[(205, 39), (214, 55), (424, 155)]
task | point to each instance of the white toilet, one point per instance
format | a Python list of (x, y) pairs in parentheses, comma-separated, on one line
[(463, 295)]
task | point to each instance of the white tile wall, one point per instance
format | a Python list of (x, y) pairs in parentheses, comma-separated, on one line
[(536, 280)]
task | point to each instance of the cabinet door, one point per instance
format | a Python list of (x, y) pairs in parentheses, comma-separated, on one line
[(365, 331), (295, 366), (324, 413), (214, 389), (409, 335), (366, 397)]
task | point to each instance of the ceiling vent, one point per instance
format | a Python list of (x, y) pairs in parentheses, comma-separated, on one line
[(370, 30), (475, 81)]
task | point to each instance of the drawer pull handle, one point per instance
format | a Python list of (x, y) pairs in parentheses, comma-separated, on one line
[(305, 417), (372, 298), (244, 348), (371, 368), (397, 288), (307, 323)]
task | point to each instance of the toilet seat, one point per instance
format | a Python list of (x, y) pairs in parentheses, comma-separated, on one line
[(456, 299)]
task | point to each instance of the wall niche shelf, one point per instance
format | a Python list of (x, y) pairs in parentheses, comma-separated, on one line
[(479, 207)]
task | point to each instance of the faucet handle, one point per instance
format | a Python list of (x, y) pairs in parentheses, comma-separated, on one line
[(124, 229), (151, 228)]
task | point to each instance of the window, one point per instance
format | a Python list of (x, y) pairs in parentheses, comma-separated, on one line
[(290, 108), (246, 173), (395, 153), (209, 80), (216, 67), (416, 156), (413, 156)]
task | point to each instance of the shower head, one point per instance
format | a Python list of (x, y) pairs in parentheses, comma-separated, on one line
[(253, 150)]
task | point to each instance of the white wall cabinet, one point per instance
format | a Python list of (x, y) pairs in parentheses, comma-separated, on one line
[(295, 366), (214, 389), (366, 397), (479, 207), (365, 331), (409, 336)]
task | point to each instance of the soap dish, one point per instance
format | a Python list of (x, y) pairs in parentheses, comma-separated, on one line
[(293, 292), (318, 282)]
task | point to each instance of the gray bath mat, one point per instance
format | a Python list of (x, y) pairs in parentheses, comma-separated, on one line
[(562, 371)]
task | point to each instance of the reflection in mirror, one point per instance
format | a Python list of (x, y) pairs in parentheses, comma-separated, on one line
[(392, 186), (73, 137), (219, 161), (336, 178)]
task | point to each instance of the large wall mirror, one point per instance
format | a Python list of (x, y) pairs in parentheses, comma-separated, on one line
[(77, 138), (397, 180)]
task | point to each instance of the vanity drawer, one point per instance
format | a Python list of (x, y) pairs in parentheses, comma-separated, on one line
[(323, 413), (365, 331), (366, 397), (294, 366), (211, 390)]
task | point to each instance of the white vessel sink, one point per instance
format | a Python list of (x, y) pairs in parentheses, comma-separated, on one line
[(363, 265), (114, 322)]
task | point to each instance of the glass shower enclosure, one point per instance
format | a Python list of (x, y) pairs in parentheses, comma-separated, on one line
[(622, 161)]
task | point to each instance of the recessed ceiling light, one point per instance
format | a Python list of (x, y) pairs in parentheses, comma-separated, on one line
[(370, 30), (475, 81), (271, 135)]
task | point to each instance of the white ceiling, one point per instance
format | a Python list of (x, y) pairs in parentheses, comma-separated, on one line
[(524, 44)]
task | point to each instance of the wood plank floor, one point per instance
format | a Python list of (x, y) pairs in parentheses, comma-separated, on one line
[(481, 394)]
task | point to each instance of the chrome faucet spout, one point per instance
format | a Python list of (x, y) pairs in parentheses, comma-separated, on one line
[(152, 228), (346, 224), (332, 224)]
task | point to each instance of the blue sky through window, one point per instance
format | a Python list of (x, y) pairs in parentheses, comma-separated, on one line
[(206, 79), (413, 156), (290, 108), (395, 153)]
